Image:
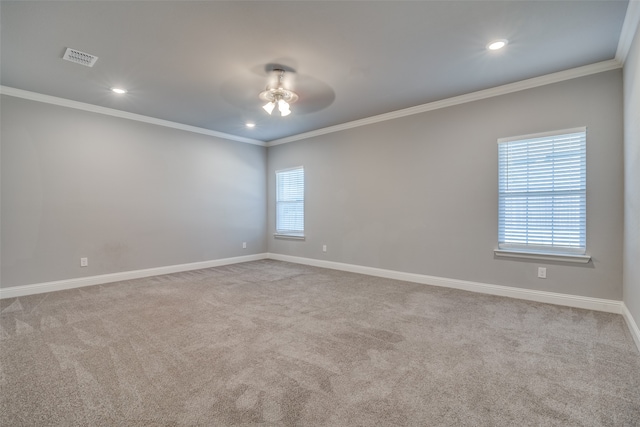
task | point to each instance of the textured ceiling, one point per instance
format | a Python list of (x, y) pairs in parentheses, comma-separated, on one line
[(204, 63)]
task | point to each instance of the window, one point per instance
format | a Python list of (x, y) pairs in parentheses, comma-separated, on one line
[(542, 193), (290, 202)]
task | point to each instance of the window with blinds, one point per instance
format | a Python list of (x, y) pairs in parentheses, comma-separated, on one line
[(542, 193), (290, 202)]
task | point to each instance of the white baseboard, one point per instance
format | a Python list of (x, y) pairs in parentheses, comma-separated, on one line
[(633, 326), (609, 306), (59, 285), (598, 304)]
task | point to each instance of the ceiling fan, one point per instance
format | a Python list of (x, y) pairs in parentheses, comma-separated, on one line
[(277, 94), (281, 86)]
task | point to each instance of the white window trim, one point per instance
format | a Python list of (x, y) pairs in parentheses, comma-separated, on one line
[(291, 235), (575, 258), (542, 134), (530, 253)]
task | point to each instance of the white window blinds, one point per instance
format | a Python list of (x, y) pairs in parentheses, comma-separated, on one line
[(290, 201), (542, 192)]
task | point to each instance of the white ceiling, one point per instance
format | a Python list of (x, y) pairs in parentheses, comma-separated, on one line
[(203, 63)]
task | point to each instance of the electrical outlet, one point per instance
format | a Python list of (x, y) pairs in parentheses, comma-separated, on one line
[(324, 248), (542, 272), (84, 262), (244, 245)]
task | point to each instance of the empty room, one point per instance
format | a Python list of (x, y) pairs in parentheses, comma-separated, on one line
[(320, 213)]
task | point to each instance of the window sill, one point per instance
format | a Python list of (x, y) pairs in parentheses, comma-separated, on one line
[(579, 259), (289, 236)]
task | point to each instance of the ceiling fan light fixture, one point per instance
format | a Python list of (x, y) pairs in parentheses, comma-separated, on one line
[(269, 106), (283, 107), (278, 94)]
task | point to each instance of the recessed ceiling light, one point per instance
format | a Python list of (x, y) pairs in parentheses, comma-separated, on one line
[(497, 44), (118, 90), (251, 125)]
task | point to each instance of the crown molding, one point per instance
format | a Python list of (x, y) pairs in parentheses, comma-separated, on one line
[(629, 28), (560, 76), (47, 99)]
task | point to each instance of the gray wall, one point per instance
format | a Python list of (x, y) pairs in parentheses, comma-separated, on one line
[(419, 194), (125, 194), (416, 194), (632, 179)]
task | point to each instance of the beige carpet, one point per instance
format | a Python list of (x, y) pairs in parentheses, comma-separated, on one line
[(278, 344)]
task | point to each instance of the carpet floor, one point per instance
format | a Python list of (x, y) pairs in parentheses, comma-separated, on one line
[(270, 343)]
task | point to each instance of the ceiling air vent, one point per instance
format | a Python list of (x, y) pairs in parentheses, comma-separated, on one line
[(80, 57)]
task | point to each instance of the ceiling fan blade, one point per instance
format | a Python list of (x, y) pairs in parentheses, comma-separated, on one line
[(242, 91)]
